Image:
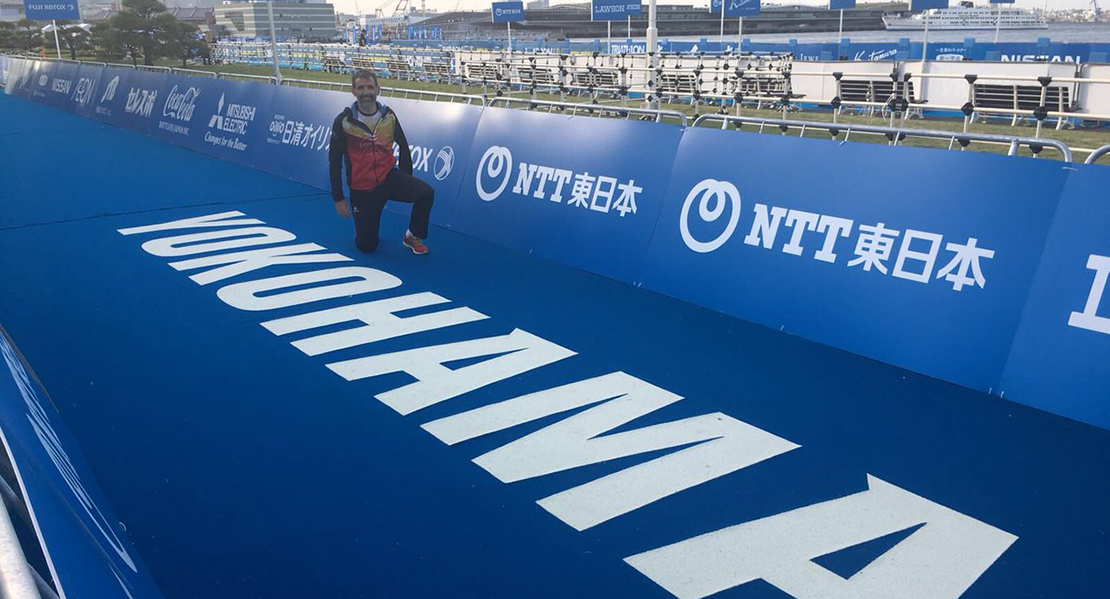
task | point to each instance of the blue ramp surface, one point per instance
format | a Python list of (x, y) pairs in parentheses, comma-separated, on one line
[(256, 440)]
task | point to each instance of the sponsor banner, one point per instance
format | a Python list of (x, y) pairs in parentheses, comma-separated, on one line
[(918, 5), (615, 10), (88, 551), (923, 268), (175, 116), (15, 82), (110, 96), (582, 191), (62, 84), (84, 97), (841, 4), (46, 10), (440, 137), (40, 81), (227, 118), (736, 8), (504, 12), (297, 127), (144, 93), (1061, 352)]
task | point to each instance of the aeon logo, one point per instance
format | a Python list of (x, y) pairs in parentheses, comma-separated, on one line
[(180, 105), (84, 91), (496, 162), (720, 194)]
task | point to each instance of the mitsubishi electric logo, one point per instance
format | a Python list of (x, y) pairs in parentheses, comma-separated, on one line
[(236, 119)]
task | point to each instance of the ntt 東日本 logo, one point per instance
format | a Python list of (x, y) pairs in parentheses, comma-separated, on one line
[(496, 163), (601, 193), (713, 197)]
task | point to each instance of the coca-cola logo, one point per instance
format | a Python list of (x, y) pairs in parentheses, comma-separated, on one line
[(180, 105)]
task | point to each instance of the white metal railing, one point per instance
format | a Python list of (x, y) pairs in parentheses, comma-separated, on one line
[(894, 135), (1093, 157), (588, 109)]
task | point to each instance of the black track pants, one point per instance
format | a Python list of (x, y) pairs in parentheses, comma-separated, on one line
[(368, 205)]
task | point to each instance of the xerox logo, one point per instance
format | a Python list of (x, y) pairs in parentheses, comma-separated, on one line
[(496, 163), (441, 167), (445, 163), (713, 197)]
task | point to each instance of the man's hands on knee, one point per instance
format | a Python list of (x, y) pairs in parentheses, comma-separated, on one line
[(342, 209)]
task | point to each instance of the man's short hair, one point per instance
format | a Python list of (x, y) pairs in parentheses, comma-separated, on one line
[(364, 74)]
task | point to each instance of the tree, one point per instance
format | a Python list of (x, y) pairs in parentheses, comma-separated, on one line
[(111, 44), (74, 37), (7, 35), (28, 35), (178, 39), (140, 27)]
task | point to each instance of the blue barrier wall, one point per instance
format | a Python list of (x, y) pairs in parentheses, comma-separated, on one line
[(584, 192), (86, 547), (926, 268), (1059, 361)]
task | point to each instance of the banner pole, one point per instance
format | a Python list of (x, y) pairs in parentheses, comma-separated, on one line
[(740, 36), (57, 44), (608, 37), (509, 28), (723, 21), (273, 41), (998, 23), (840, 32)]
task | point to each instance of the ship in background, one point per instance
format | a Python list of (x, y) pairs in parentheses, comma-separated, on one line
[(572, 21), (968, 16)]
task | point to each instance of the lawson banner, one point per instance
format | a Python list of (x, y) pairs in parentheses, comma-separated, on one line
[(614, 10), (891, 264)]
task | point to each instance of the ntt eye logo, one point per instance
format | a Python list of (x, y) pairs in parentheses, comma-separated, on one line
[(713, 197), (496, 162)]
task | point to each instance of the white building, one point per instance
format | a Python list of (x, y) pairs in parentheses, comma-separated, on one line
[(303, 21)]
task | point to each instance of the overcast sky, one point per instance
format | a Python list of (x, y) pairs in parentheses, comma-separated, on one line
[(387, 6)]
